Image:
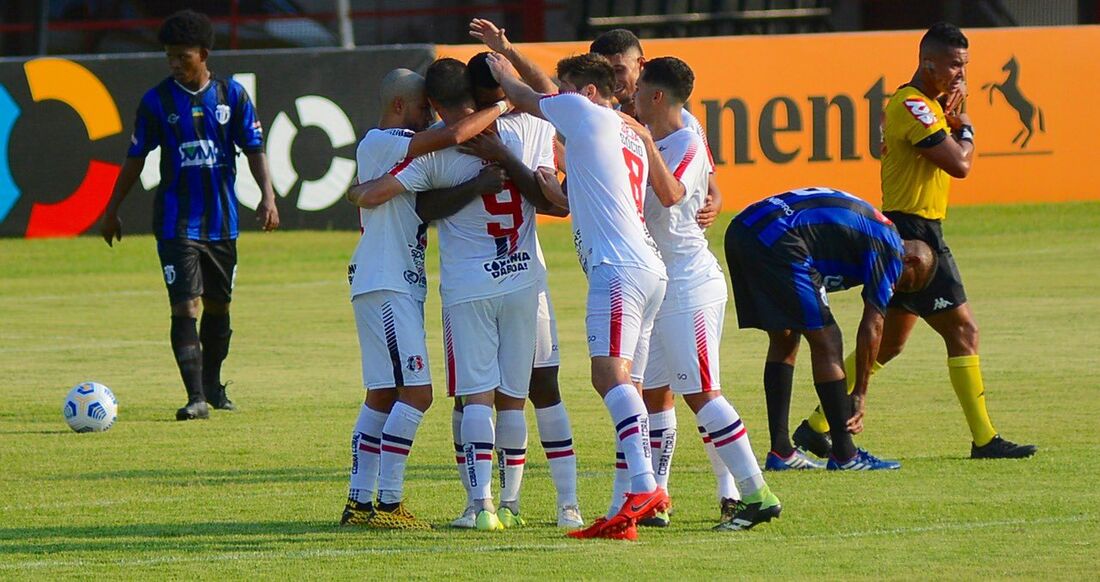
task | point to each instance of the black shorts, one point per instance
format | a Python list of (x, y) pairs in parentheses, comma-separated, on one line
[(945, 291), (774, 288), (195, 268)]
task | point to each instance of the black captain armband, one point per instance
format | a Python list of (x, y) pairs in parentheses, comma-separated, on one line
[(966, 133), (932, 140)]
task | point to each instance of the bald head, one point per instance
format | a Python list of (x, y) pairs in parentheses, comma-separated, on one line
[(918, 266), (403, 102)]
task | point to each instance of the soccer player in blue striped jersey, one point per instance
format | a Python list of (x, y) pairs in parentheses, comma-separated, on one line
[(199, 121), (785, 254)]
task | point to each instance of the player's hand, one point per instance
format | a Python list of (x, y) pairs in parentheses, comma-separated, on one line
[(111, 229), (636, 125), (855, 423), (551, 188), (486, 146), (707, 214), (490, 180), (488, 33), (500, 67), (267, 215)]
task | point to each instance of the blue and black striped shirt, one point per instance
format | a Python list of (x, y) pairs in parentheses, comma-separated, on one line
[(846, 240), (198, 134)]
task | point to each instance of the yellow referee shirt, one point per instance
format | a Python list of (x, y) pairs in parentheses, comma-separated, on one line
[(910, 182)]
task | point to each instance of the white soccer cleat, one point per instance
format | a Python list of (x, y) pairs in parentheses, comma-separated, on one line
[(468, 519), (569, 516)]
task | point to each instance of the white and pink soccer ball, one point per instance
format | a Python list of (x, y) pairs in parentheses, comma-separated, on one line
[(90, 407)]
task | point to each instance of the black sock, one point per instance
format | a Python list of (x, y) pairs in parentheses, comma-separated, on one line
[(215, 334), (778, 379), (838, 409), (188, 352)]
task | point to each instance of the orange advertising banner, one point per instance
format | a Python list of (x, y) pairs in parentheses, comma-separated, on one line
[(783, 112)]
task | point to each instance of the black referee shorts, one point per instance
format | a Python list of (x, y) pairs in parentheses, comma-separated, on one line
[(196, 268), (945, 291)]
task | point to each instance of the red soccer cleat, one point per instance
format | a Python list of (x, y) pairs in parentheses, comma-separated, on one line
[(616, 528), (639, 506)]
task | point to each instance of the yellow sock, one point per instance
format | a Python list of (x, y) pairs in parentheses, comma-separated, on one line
[(817, 419), (966, 378)]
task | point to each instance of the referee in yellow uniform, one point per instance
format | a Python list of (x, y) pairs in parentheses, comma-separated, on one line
[(923, 148)]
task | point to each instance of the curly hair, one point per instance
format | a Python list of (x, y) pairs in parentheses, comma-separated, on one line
[(187, 28)]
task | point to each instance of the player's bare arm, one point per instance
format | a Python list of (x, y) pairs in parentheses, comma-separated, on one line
[(711, 206), (375, 192), (868, 340), (111, 227), (955, 155), (490, 148), (553, 191), (446, 136), (441, 203), (494, 38), (522, 96), (267, 214)]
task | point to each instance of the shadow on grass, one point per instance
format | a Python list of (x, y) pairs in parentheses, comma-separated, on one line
[(250, 476), (53, 431)]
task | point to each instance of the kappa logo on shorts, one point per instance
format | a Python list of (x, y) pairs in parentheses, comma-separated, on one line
[(941, 303), (824, 296), (169, 274), (415, 363)]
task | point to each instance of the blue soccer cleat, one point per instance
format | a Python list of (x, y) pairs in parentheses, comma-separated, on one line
[(863, 461), (797, 461)]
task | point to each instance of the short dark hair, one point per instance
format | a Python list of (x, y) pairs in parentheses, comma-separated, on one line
[(187, 28), (447, 83), (943, 35), (614, 42), (480, 75), (589, 68), (672, 75)]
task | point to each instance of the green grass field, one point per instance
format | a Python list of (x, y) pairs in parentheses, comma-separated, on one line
[(257, 493)]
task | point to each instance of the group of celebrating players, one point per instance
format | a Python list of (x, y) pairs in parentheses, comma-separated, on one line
[(639, 188)]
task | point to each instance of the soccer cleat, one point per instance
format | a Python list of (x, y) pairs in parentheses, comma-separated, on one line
[(863, 461), (193, 410), (356, 513), (642, 505), (468, 519), (487, 521), (808, 439), (727, 507), (569, 516), (616, 528), (217, 399), (998, 448), (659, 519), (396, 516), (760, 507), (510, 519), (797, 461)]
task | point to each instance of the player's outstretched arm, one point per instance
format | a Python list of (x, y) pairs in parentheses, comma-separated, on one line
[(523, 97), (441, 203), (375, 192), (267, 214), (494, 38), (439, 138), (868, 339), (111, 227), (712, 206)]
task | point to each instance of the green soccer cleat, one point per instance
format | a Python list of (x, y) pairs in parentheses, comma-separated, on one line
[(509, 519), (659, 519), (760, 507), (487, 521)]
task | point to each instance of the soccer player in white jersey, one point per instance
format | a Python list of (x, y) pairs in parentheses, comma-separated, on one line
[(624, 50), (387, 281), (488, 282), (606, 166), (684, 349), (554, 429)]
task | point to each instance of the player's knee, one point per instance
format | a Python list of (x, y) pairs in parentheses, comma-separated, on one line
[(214, 307), (544, 387), (381, 399), (187, 308), (419, 397), (889, 350), (964, 340), (658, 399)]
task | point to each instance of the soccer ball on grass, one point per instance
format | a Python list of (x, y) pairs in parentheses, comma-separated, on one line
[(90, 407)]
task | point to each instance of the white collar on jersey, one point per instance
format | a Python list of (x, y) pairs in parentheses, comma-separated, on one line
[(201, 89)]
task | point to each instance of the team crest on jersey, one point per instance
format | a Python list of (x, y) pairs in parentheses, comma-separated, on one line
[(169, 274), (221, 113), (920, 110), (415, 363)]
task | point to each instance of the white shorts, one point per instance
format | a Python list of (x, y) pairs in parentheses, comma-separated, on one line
[(683, 352), (490, 343), (622, 305), (546, 335), (391, 339)]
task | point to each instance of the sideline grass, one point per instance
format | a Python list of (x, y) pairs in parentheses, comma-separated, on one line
[(257, 493)]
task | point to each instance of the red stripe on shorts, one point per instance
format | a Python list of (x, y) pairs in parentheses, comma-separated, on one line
[(615, 340), (701, 347)]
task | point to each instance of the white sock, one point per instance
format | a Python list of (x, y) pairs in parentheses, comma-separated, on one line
[(621, 485), (556, 435), (365, 443), (477, 447), (511, 441), (460, 456), (397, 440), (731, 441), (632, 430), (662, 442), (727, 489)]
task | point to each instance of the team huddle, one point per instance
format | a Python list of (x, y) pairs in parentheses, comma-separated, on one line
[(638, 188)]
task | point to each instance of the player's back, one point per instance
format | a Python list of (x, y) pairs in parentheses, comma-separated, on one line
[(390, 252), (606, 169)]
